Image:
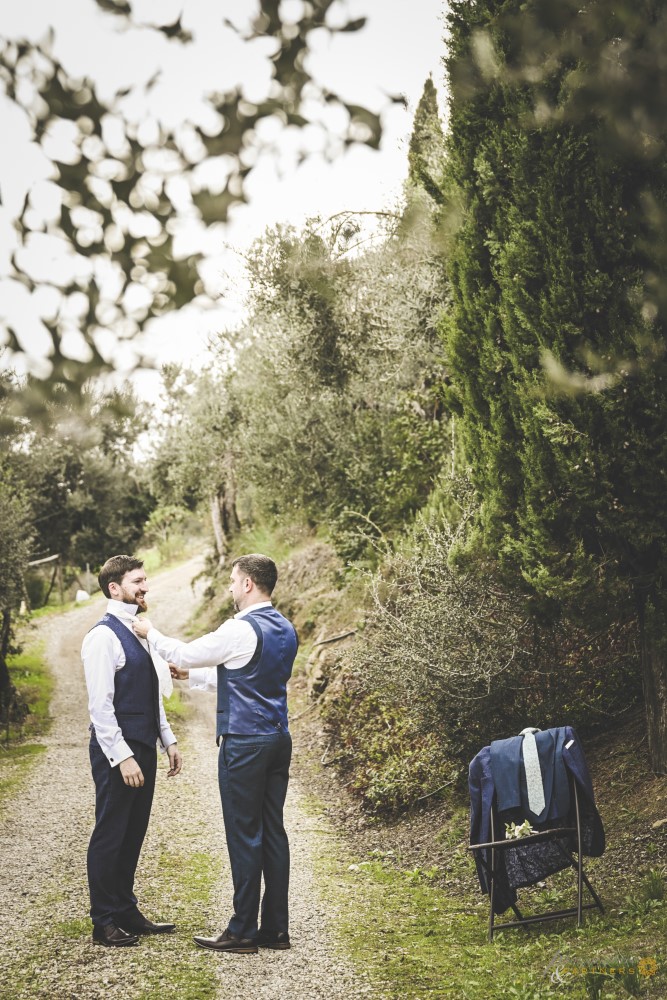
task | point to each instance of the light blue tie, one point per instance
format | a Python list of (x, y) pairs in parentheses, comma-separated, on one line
[(531, 764)]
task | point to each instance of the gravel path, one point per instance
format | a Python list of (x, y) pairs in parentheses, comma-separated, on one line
[(45, 946)]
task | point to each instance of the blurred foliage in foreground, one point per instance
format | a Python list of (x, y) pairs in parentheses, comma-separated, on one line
[(118, 187)]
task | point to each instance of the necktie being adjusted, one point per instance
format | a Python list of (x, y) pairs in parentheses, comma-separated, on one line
[(531, 763)]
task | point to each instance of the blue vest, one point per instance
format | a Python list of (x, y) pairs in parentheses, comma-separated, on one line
[(252, 700), (136, 699)]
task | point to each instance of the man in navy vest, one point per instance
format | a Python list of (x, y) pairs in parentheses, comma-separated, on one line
[(249, 660), (126, 720)]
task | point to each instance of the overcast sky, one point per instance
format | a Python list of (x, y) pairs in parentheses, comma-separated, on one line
[(398, 48)]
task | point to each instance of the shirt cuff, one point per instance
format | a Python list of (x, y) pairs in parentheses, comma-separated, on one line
[(167, 738), (198, 678), (118, 753)]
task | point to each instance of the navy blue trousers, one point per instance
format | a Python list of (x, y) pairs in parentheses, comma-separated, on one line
[(121, 821), (253, 773)]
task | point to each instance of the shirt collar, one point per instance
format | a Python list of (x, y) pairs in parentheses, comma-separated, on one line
[(121, 610), (252, 607)]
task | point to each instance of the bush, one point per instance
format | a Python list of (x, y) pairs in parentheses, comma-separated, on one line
[(37, 587), (393, 759), (451, 657)]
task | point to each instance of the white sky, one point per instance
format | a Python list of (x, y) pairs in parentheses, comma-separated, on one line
[(398, 48)]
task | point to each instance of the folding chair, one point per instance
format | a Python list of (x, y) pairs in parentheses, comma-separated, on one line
[(566, 840)]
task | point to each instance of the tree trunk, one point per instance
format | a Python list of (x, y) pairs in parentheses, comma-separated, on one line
[(217, 502), (230, 513), (653, 637), (5, 633)]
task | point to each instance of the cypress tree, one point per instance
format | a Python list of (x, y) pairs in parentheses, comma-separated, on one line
[(425, 153), (556, 337)]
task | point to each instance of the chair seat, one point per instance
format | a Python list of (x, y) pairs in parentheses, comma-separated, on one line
[(563, 848), (531, 838)]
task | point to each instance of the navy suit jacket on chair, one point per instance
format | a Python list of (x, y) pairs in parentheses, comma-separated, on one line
[(542, 859)]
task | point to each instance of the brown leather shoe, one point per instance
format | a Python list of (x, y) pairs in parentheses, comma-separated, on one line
[(113, 937), (279, 942), (228, 942)]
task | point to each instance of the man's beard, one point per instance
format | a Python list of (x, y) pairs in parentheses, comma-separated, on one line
[(137, 599)]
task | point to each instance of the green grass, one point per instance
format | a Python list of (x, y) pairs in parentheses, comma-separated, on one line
[(302, 656), (16, 762), (156, 560), (73, 929), (276, 542), (59, 609), (417, 940), (32, 678), (30, 674), (175, 707)]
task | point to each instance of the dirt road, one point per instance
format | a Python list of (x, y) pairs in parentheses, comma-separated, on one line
[(45, 944)]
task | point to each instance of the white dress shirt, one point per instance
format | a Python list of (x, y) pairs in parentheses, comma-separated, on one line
[(233, 644), (102, 655)]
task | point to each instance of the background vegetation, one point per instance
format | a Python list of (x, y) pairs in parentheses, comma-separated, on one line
[(447, 422), (468, 404), (462, 398)]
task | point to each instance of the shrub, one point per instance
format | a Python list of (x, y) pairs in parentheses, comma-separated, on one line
[(394, 760), (451, 657)]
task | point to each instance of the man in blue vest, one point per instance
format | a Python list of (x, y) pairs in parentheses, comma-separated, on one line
[(249, 660), (127, 719)]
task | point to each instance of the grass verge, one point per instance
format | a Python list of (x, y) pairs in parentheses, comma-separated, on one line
[(175, 707), (416, 940), (32, 678)]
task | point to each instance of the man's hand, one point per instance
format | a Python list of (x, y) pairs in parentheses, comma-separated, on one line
[(175, 760), (178, 673), (142, 627), (132, 773)]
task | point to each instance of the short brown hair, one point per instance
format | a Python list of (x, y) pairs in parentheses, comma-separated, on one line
[(261, 570), (115, 569)]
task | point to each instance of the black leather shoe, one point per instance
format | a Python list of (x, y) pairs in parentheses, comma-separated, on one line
[(228, 942), (279, 942), (140, 924), (113, 937)]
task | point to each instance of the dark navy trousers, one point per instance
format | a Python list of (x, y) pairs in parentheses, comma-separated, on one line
[(253, 773), (121, 821)]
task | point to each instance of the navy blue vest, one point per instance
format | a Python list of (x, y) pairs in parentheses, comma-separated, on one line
[(136, 699), (252, 700)]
